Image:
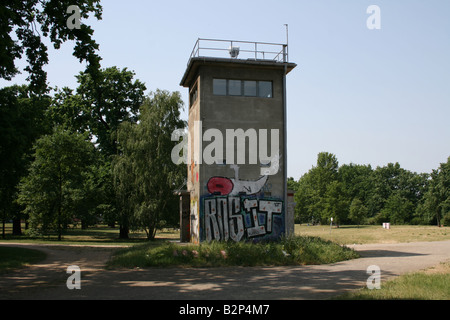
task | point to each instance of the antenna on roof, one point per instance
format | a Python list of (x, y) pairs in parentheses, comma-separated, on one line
[(287, 38)]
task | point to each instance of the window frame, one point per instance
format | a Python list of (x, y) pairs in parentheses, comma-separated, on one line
[(255, 88), (226, 87), (242, 90), (259, 89), (239, 84), (193, 94)]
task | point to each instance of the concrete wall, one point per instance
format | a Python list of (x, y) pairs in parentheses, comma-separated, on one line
[(237, 201)]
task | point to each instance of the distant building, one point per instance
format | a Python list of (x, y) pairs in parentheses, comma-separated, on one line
[(237, 131)]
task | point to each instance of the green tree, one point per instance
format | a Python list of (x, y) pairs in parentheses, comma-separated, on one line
[(358, 211), (107, 100), (100, 104), (66, 111), (357, 180), (397, 209), (304, 199), (436, 202), (50, 192), (392, 179), (336, 203), (22, 121), (385, 180), (312, 203), (30, 20), (292, 184), (326, 171), (144, 170)]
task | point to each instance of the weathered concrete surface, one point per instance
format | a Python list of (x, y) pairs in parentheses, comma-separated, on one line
[(47, 280)]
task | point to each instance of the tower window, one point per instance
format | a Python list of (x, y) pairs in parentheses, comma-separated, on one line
[(193, 94), (220, 87), (247, 88), (250, 88), (234, 87), (265, 89)]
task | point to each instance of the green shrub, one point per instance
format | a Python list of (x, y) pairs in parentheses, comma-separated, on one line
[(287, 251)]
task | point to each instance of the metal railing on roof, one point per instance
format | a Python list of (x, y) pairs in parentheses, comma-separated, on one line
[(249, 50)]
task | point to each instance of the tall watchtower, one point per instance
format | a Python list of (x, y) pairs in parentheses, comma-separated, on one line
[(237, 137)]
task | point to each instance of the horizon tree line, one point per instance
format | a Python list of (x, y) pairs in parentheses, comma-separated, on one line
[(359, 194)]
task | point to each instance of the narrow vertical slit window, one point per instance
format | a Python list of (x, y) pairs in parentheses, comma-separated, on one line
[(193, 95)]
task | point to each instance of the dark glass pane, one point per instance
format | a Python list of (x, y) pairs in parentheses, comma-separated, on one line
[(250, 88), (265, 89), (234, 87), (220, 87)]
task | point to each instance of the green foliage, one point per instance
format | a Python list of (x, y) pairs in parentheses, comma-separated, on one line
[(106, 100), (25, 18), (101, 103), (22, 121), (288, 251), (436, 203), (354, 193), (358, 211), (397, 210), (431, 284), (144, 174), (292, 184), (51, 191), (314, 204)]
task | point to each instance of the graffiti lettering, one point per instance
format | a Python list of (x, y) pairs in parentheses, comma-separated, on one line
[(225, 218)]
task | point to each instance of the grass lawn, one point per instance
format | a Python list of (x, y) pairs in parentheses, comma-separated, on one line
[(13, 258), (375, 234), (429, 284), (95, 235), (312, 245), (289, 251)]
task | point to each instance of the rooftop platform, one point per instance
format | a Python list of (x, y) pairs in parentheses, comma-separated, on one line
[(235, 53)]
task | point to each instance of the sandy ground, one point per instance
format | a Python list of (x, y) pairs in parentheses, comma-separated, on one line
[(47, 280)]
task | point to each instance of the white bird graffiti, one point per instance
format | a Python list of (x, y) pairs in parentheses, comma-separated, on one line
[(235, 187)]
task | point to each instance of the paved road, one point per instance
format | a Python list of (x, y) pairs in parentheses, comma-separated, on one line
[(47, 280)]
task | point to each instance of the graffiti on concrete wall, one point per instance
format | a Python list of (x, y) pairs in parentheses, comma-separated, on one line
[(194, 221), (241, 217), (234, 210)]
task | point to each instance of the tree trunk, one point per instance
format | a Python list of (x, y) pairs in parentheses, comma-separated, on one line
[(123, 233), (17, 228)]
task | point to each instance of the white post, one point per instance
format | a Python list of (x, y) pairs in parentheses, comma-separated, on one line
[(331, 224)]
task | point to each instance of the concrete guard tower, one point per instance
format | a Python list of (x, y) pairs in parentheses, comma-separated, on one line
[(237, 141)]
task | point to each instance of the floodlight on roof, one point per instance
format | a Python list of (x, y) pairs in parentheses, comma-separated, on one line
[(234, 51)]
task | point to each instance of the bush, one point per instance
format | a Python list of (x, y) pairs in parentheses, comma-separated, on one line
[(287, 251), (446, 220)]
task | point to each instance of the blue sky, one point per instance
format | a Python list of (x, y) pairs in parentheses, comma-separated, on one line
[(368, 96)]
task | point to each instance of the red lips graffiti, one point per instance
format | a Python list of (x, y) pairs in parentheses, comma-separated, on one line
[(220, 185)]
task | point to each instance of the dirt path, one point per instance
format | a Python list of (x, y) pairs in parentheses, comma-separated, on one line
[(47, 280)]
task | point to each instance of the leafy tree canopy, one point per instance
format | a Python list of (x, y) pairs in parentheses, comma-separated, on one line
[(23, 23)]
